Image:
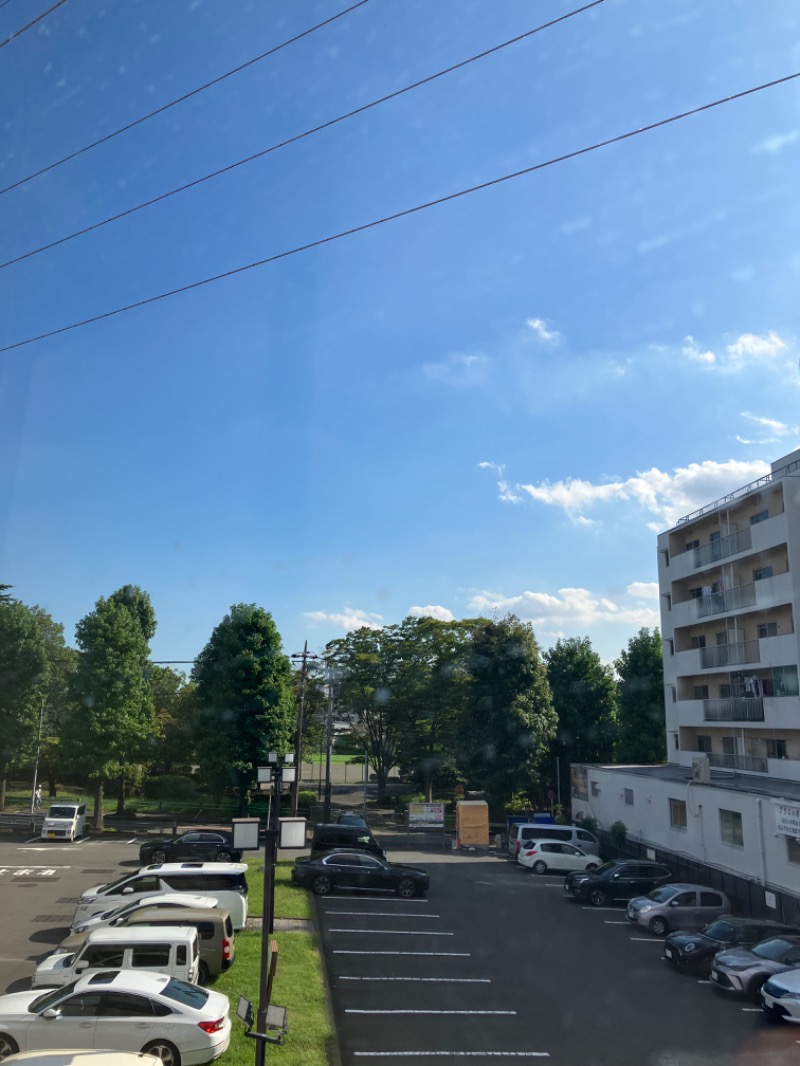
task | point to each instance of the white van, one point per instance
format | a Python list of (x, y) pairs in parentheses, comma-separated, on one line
[(567, 834), (169, 949), (224, 881), (64, 821)]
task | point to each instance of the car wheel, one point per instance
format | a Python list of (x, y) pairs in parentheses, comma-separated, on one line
[(322, 885), (163, 1050), (597, 897), (223, 856), (659, 926), (591, 866), (406, 888), (202, 974), (8, 1046), (540, 867), (159, 855)]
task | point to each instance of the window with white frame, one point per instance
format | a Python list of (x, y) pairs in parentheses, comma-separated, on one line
[(730, 828), (677, 813), (767, 629)]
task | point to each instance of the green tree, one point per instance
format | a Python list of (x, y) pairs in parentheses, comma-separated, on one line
[(247, 706), (585, 699), (23, 673), (642, 733), (171, 748), (5, 593), (509, 719), (62, 663), (112, 714)]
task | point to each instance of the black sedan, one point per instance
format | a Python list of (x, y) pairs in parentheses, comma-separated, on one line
[(616, 881), (204, 845), (359, 872), (693, 952)]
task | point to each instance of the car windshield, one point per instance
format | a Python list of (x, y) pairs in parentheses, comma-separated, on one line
[(50, 998), (719, 930), (773, 949), (605, 867), (112, 886), (188, 995), (61, 812), (662, 895)]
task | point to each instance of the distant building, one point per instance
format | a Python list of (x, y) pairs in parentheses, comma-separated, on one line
[(729, 796)]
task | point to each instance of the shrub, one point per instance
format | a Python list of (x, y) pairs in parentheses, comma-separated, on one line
[(306, 798), (618, 831), (170, 787), (585, 821)]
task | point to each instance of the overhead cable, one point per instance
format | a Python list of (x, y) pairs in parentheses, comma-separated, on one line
[(295, 138), (403, 214), (38, 18)]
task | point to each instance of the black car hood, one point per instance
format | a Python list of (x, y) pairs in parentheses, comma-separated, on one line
[(681, 937)]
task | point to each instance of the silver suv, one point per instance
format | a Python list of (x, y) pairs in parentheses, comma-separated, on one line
[(742, 971)]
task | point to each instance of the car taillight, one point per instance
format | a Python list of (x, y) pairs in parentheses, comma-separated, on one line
[(212, 1027), (226, 948)]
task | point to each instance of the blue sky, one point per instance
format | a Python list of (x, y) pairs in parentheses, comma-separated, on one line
[(493, 404)]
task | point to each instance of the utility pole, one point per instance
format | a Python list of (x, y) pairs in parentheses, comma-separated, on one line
[(304, 657), (326, 816)]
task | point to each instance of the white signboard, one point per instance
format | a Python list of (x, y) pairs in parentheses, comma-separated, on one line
[(426, 815), (787, 819)]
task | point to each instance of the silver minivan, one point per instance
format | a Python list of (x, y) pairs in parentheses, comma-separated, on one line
[(566, 834), (678, 906)]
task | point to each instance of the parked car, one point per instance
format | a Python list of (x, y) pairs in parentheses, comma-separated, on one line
[(329, 836), (780, 996), (205, 845), (694, 951), (138, 1011), (359, 872), (677, 906), (543, 855), (349, 818), (80, 1058), (114, 916), (744, 970), (213, 925), (520, 833), (64, 821), (616, 881)]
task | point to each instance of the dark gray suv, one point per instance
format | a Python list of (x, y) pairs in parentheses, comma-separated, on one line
[(614, 882)]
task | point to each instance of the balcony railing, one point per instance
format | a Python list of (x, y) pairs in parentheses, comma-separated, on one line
[(739, 762), (730, 600), (745, 651), (722, 548), (736, 709)]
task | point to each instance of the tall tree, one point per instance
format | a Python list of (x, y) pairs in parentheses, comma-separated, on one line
[(247, 707), (112, 714), (585, 699), (5, 593), (642, 732), (171, 749), (509, 719), (23, 673), (62, 662)]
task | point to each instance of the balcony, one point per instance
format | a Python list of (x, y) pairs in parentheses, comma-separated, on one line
[(736, 709), (730, 600), (748, 763), (746, 651), (720, 549)]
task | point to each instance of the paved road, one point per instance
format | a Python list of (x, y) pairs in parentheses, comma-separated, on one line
[(497, 963)]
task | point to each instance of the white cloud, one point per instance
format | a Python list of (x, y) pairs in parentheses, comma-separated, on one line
[(693, 352), (349, 618), (539, 327), (570, 610), (644, 590), (663, 495), (755, 347), (440, 613), (776, 143), (459, 369), (505, 492)]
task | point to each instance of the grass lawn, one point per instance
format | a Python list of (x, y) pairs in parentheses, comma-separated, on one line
[(299, 983)]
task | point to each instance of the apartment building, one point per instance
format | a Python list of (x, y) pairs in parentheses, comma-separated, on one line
[(728, 795)]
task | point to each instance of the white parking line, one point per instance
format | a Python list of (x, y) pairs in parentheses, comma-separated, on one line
[(431, 954), (436, 980), (614, 909), (358, 1010), (752, 1010), (384, 914), (610, 921), (392, 932), (648, 939), (705, 982), (367, 899), (452, 1054)]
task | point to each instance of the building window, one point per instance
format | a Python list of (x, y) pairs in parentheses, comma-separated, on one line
[(695, 593), (784, 681), (698, 642), (692, 544), (762, 516), (761, 572), (677, 814), (668, 598), (675, 742), (730, 828), (701, 692), (671, 644), (595, 789), (776, 749), (768, 629), (793, 850), (628, 797), (704, 744)]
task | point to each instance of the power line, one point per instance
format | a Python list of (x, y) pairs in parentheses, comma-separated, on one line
[(404, 213), (38, 18), (178, 100), (296, 137)]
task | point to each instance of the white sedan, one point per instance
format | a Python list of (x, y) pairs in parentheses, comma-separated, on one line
[(780, 996), (542, 856), (123, 1010)]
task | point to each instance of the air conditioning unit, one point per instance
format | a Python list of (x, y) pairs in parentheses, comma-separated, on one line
[(701, 769)]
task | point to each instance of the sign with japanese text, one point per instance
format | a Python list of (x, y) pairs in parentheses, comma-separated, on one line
[(787, 819)]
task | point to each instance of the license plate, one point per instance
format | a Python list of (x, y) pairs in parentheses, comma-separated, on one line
[(51, 834), (668, 953)]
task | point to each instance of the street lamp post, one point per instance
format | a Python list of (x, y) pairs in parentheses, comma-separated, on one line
[(304, 658)]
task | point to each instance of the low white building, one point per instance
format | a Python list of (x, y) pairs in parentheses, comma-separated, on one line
[(727, 802)]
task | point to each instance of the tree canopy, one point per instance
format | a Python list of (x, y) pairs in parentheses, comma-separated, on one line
[(585, 699), (642, 734), (23, 676)]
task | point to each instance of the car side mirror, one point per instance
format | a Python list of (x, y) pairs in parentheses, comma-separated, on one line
[(615, 877), (51, 1012), (127, 891)]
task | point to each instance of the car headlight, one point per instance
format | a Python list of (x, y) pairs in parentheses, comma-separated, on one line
[(645, 907)]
